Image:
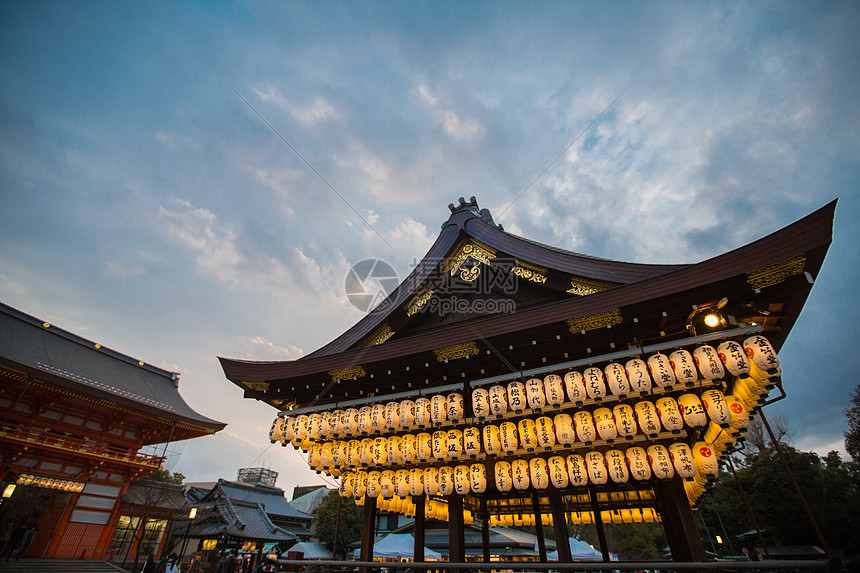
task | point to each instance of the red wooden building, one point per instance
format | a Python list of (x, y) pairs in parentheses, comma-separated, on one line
[(75, 416)]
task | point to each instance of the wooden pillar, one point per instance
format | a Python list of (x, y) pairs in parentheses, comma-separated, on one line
[(683, 535), (456, 534), (368, 531), (559, 523), (539, 526), (419, 527), (598, 523), (485, 530)]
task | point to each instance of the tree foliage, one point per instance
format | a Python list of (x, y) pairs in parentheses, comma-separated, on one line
[(324, 522), (852, 436), (630, 541)]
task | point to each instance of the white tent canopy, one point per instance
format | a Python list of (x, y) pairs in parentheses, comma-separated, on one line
[(579, 551), (398, 544)]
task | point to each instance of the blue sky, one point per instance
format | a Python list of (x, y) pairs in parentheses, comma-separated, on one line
[(148, 208)]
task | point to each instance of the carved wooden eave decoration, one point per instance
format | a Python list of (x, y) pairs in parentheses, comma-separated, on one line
[(474, 251), (594, 321), (776, 273), (456, 351)]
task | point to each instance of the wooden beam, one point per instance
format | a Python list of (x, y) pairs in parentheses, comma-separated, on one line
[(456, 534), (682, 532), (368, 531), (598, 523), (539, 526), (419, 528), (559, 523)]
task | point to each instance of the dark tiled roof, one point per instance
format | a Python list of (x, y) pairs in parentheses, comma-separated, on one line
[(271, 498)]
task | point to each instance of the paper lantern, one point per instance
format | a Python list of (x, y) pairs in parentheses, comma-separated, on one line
[(350, 422), (353, 453), (377, 418), (545, 432), (508, 433), (584, 425), (313, 432), (692, 411), (535, 394), (661, 371), (481, 403), (539, 473), (386, 484), (276, 430), (407, 414), (616, 378), (338, 454), (423, 414), (478, 478), (553, 387), (365, 453), (431, 481), (364, 420), (577, 472), (392, 416), (301, 429), (661, 463), (684, 367), (670, 414), (326, 455), (440, 444), (395, 450), (408, 448), (325, 425), (380, 451), (455, 443), (314, 456), (516, 396), (446, 480), (733, 356), (346, 482), (472, 441), (564, 432), (717, 408), (402, 482), (504, 476), (527, 433), (705, 459), (423, 447), (289, 431), (557, 472), (740, 415), (492, 439), (682, 459), (709, 363), (374, 488), (462, 485), (416, 482), (646, 415), (438, 409), (337, 429), (625, 421), (616, 464), (604, 422), (574, 385), (637, 462), (595, 386), (455, 407), (498, 400), (764, 362), (520, 472), (596, 467), (637, 375)]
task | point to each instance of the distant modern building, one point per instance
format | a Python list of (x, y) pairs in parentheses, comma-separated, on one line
[(309, 501), (75, 416), (258, 476)]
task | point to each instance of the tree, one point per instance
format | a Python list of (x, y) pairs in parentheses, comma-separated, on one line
[(325, 521), (852, 436), (630, 541)]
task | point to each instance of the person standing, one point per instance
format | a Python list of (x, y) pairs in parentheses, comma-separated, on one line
[(149, 564)]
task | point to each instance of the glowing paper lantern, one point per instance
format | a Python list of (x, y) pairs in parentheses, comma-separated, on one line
[(423, 415), (301, 430), (557, 472), (289, 430), (424, 446), (516, 396), (395, 450), (455, 443), (520, 471), (364, 421), (574, 385), (392, 416), (616, 463), (637, 461), (535, 394), (440, 444), (717, 408), (314, 457), (472, 441), (365, 454), (446, 480), (539, 473), (455, 407), (498, 400), (661, 463), (313, 432), (661, 371), (408, 448), (709, 363), (478, 478), (416, 482), (528, 435), (380, 451), (740, 415), (596, 467), (646, 415), (346, 482), (350, 422), (462, 485), (625, 421), (325, 425), (276, 430), (616, 377), (705, 459), (504, 476), (353, 454), (337, 429), (545, 432), (553, 387), (431, 481), (637, 375), (692, 410), (604, 421), (595, 386), (584, 425), (682, 459), (564, 432), (407, 414), (338, 454), (326, 455), (386, 484), (438, 409), (374, 488), (577, 471), (377, 418), (481, 403), (492, 439), (684, 367), (670, 414), (402, 482), (508, 432), (764, 362), (733, 356)]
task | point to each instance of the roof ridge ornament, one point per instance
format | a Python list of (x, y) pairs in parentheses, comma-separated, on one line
[(472, 207)]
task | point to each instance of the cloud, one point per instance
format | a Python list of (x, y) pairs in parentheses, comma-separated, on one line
[(259, 348), (461, 130), (317, 111)]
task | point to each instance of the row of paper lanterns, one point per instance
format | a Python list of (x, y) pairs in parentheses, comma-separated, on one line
[(755, 360), (626, 515), (50, 483)]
